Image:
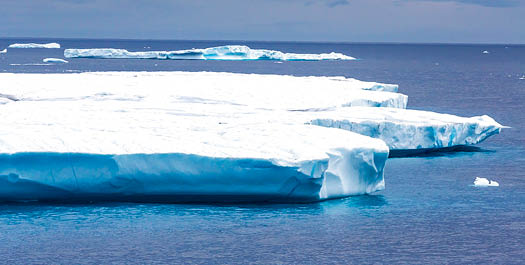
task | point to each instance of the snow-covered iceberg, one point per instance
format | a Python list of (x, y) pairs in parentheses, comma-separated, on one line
[(54, 60), (208, 136), (3, 51), (229, 52), (52, 45)]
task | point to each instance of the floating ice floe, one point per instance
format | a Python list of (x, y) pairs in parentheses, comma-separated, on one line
[(207, 136), (483, 182), (405, 130), (54, 60), (230, 52), (52, 45), (3, 51)]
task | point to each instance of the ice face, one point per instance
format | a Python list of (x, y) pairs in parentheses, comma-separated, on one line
[(35, 45), (54, 60), (230, 52), (187, 158)]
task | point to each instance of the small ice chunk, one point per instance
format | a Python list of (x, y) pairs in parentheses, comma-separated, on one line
[(486, 52), (483, 182), (52, 45), (54, 60), (3, 51)]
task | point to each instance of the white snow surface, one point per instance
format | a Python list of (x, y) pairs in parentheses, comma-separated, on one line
[(229, 52), (54, 60), (483, 182), (52, 45), (271, 92)]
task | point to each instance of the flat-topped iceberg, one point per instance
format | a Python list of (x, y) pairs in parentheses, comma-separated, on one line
[(229, 52), (208, 136), (54, 60), (52, 45)]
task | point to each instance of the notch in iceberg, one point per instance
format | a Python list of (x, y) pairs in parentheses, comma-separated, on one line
[(52, 45), (229, 52)]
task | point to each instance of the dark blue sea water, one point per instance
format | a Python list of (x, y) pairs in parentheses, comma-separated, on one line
[(429, 212)]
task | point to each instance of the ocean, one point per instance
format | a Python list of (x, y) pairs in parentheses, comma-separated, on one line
[(429, 212)]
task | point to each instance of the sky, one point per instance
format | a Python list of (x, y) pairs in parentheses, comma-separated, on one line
[(421, 21)]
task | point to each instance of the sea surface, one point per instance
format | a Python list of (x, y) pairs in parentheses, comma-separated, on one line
[(428, 213)]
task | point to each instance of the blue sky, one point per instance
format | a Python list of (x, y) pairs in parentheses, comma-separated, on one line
[(444, 21)]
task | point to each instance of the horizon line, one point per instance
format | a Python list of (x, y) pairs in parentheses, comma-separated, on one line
[(281, 41)]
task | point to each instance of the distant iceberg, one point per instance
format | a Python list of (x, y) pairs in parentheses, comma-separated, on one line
[(486, 52), (52, 45), (229, 52), (54, 60), (3, 51), (483, 182)]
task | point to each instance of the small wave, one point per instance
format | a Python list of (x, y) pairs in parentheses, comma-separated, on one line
[(27, 64), (52, 45), (230, 52)]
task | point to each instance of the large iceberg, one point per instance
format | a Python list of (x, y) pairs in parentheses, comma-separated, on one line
[(229, 52), (208, 136), (52, 45)]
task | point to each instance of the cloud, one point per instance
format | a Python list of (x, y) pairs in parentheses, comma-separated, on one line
[(486, 3), (329, 3), (337, 3)]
